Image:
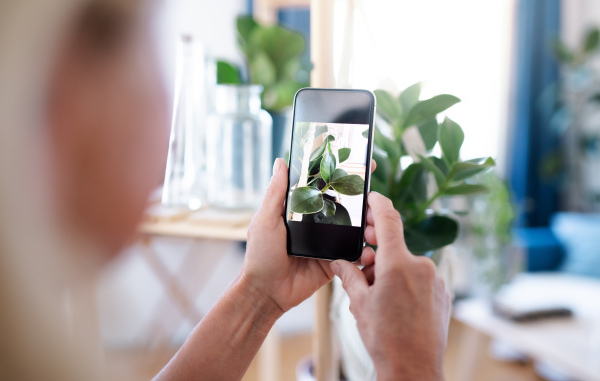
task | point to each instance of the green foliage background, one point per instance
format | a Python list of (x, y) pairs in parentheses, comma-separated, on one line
[(425, 229), (273, 60)]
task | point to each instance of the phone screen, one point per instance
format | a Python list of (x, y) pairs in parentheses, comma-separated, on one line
[(329, 173)]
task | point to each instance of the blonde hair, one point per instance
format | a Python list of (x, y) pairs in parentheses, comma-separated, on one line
[(34, 252)]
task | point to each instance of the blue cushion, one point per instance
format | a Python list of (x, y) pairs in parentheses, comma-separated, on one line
[(579, 233), (544, 252)]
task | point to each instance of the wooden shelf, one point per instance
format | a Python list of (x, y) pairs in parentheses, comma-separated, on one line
[(205, 223)]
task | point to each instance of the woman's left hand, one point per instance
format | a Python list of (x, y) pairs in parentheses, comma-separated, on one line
[(283, 279)]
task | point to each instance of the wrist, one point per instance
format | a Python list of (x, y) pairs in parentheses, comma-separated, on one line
[(264, 305), (408, 370)]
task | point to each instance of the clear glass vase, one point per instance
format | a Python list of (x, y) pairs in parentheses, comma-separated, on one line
[(185, 176), (238, 147)]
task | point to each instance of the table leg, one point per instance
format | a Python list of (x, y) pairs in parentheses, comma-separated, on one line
[(269, 357), (326, 366), (473, 347)]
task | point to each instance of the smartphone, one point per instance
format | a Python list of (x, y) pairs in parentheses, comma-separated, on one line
[(329, 173)]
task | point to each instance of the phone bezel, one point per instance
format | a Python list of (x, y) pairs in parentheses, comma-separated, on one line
[(371, 119)]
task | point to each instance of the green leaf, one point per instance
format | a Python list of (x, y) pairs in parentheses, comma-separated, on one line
[(465, 170), (341, 217), (431, 167), (319, 151), (343, 154), (410, 96), (429, 108), (327, 165), (451, 139), (280, 44), (479, 160), (365, 134), (432, 233), (383, 170), (350, 185), (306, 200), (245, 25), (465, 189), (429, 132), (562, 52), (279, 95), (441, 164), (262, 70), (592, 38), (389, 146), (388, 107), (413, 182), (409, 174), (328, 208), (379, 186), (227, 74), (339, 172)]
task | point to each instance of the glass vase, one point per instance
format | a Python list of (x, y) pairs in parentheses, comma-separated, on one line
[(185, 175), (238, 147)]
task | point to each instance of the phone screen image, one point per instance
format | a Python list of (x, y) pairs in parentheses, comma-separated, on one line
[(327, 174), (329, 167)]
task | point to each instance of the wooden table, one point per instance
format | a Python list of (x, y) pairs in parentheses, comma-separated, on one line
[(201, 225), (570, 344)]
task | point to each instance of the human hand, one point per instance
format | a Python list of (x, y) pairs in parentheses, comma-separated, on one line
[(285, 280), (400, 304)]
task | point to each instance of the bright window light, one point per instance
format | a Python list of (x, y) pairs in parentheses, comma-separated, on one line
[(460, 47)]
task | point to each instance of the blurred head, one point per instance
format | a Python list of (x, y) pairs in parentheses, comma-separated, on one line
[(107, 121), (83, 135)]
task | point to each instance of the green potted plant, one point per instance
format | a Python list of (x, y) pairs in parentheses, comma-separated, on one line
[(414, 178), (409, 118), (272, 55)]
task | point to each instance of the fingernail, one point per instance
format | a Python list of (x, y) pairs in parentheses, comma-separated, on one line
[(276, 166), (335, 267)]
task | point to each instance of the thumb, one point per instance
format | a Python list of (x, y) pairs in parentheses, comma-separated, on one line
[(353, 280), (272, 204)]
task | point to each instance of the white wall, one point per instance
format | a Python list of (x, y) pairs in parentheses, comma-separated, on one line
[(459, 47)]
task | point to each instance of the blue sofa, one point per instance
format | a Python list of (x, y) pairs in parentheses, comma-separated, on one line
[(570, 244)]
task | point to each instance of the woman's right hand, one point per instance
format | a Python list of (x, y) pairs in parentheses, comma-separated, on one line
[(400, 303)]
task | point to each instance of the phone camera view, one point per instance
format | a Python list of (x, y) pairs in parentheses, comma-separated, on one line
[(327, 174)]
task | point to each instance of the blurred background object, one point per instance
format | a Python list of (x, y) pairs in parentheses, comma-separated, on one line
[(275, 58), (239, 144), (527, 101), (185, 184)]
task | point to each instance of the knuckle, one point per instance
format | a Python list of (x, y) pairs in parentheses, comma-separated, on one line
[(426, 268)]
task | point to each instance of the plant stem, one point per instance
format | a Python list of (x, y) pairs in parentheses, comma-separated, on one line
[(420, 214)]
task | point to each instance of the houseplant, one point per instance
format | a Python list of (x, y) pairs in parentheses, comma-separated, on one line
[(272, 55), (412, 132), (415, 179)]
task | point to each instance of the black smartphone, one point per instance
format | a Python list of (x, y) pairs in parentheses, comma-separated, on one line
[(329, 173)]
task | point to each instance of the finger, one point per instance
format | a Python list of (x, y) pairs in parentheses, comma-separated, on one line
[(369, 272), (368, 256), (388, 227), (353, 280), (273, 203), (370, 219), (370, 235), (373, 165)]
